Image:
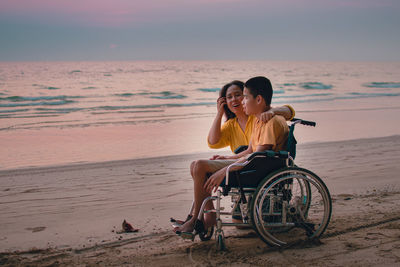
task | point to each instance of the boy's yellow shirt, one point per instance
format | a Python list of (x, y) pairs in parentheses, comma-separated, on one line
[(274, 132)]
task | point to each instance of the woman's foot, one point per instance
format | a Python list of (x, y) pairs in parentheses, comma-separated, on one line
[(180, 222), (187, 227)]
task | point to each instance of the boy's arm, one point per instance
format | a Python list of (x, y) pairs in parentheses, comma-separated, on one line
[(286, 111)]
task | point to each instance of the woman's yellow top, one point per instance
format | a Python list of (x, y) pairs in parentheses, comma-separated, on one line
[(232, 135)]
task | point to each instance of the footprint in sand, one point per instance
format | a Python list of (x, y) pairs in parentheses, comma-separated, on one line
[(36, 229)]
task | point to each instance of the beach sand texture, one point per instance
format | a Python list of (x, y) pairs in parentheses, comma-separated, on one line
[(70, 215), (86, 146)]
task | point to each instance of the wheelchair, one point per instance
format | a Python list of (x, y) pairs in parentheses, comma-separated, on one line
[(283, 203)]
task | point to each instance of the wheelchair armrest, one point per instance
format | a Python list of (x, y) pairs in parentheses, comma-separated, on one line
[(231, 167), (240, 149), (269, 153)]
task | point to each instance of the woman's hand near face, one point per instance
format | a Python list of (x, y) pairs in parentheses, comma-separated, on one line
[(214, 135), (221, 102)]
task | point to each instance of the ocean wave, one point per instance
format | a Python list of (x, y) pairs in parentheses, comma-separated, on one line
[(329, 97), (46, 87), (302, 96), (17, 116), (315, 86), (168, 95), (74, 71), (59, 110), (383, 85), (13, 110), (43, 103), (122, 109), (155, 95), (152, 106), (36, 98), (209, 89), (373, 94), (128, 111), (133, 94), (125, 95), (89, 88), (289, 84)]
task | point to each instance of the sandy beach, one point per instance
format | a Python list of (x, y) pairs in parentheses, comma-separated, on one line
[(71, 215)]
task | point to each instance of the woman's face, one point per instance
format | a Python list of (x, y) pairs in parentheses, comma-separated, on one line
[(234, 97)]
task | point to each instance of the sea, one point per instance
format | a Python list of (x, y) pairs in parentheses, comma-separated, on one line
[(73, 112)]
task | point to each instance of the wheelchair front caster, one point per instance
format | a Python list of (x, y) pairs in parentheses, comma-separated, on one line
[(220, 243)]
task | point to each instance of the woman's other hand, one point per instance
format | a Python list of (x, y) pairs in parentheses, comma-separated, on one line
[(267, 115), (219, 157)]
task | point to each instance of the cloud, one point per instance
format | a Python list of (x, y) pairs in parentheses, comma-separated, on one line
[(120, 13), (201, 29)]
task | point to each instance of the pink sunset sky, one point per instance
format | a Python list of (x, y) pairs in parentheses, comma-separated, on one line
[(181, 29)]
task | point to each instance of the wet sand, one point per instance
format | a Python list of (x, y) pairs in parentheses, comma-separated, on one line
[(71, 215)]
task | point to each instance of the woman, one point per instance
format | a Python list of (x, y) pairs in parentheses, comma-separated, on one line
[(235, 132)]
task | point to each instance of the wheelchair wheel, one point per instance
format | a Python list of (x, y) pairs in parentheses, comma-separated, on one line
[(290, 206)]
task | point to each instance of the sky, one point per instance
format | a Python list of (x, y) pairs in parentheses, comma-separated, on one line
[(300, 30)]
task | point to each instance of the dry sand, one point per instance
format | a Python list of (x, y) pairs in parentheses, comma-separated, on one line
[(69, 215)]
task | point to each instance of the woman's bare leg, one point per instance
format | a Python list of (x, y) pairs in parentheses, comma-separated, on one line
[(199, 171)]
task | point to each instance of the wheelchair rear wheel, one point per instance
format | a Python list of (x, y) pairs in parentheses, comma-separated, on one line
[(290, 206)]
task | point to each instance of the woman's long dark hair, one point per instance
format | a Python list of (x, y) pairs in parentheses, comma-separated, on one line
[(228, 113)]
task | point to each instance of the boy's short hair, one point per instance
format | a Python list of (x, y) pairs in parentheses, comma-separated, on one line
[(260, 86)]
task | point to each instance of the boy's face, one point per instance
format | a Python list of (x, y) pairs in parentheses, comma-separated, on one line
[(249, 102)]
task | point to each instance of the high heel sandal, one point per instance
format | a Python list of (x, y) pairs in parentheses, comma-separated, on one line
[(199, 229), (179, 223)]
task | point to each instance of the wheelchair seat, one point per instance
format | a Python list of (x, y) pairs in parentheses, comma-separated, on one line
[(262, 163)]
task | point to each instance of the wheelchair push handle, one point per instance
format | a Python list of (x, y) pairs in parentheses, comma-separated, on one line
[(304, 122)]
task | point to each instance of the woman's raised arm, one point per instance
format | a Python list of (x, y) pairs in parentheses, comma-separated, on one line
[(214, 135)]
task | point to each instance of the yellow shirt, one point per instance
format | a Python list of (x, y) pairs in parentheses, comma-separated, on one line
[(274, 132), (232, 135)]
